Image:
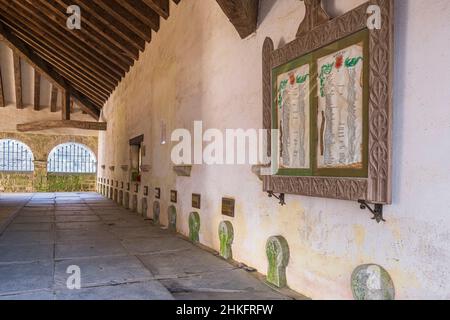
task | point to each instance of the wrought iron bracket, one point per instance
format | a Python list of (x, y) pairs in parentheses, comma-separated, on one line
[(377, 210), (279, 197)]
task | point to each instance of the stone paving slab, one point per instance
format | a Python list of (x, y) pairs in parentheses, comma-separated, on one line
[(26, 237), (26, 253), (38, 219), (30, 226), (91, 248), (138, 233), (34, 296), (142, 247), (149, 290), (71, 235), (77, 218), (26, 277), (182, 263), (80, 225), (103, 271)]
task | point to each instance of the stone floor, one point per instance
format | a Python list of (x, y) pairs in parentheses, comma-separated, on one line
[(120, 255)]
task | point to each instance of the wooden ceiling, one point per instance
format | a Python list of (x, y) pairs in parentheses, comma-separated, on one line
[(87, 63)]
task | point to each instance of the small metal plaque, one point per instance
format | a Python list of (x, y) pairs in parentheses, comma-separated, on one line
[(228, 207), (128, 186), (158, 193), (173, 196), (145, 191), (196, 201), (136, 188), (121, 185)]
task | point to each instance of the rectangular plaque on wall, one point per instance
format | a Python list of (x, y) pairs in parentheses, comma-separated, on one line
[(128, 186), (173, 196), (145, 191), (196, 200), (228, 207), (158, 193)]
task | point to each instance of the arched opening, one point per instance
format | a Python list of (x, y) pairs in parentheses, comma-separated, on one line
[(15, 156), (71, 167)]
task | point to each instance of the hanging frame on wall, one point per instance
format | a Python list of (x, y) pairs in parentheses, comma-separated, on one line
[(329, 95)]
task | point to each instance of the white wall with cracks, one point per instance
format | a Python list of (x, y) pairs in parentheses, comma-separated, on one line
[(197, 68)]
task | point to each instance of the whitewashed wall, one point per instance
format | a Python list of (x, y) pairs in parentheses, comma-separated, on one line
[(197, 68)]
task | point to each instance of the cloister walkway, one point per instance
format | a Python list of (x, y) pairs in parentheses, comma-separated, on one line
[(120, 254)]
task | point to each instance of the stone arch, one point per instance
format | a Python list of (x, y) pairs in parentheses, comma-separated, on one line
[(172, 218), (134, 203), (194, 227), (156, 212), (144, 206), (120, 198), (277, 251), (226, 237), (17, 147), (116, 195), (126, 201)]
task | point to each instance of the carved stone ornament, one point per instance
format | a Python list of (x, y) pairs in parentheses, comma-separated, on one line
[(124, 167), (146, 168), (183, 171), (112, 168), (317, 31)]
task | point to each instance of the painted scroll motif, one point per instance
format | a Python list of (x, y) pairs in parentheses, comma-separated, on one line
[(294, 118), (340, 109)]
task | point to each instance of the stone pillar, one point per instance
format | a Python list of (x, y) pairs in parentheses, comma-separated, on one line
[(40, 183), (226, 236), (144, 207), (277, 251), (194, 226)]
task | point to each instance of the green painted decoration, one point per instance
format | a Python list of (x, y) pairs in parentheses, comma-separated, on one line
[(226, 236), (277, 251), (156, 211), (194, 226), (372, 282), (172, 213)]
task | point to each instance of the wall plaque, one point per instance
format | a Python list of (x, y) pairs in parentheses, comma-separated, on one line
[(145, 191), (158, 193), (128, 186), (173, 196), (228, 207), (196, 201), (328, 99)]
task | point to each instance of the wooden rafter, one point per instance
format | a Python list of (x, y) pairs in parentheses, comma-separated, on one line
[(37, 90), (2, 95), (161, 7), (55, 124), (243, 14), (18, 80), (66, 106), (44, 67)]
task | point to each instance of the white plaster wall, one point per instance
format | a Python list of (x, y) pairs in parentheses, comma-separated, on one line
[(197, 68)]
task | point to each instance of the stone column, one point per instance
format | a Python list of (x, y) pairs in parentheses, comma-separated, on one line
[(40, 183)]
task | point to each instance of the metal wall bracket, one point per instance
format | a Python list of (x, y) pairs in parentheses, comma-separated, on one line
[(279, 197), (377, 211)]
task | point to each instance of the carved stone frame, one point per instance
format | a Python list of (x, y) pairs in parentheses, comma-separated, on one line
[(316, 31)]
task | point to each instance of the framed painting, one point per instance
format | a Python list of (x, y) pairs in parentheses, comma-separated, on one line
[(327, 106)]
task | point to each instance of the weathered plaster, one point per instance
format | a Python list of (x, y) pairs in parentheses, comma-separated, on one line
[(197, 68)]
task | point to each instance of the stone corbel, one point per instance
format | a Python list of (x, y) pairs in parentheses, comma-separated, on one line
[(124, 167), (103, 166), (146, 168), (183, 170), (112, 168)]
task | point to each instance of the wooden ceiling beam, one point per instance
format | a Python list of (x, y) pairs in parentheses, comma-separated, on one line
[(141, 11), (2, 95), (121, 14), (91, 38), (99, 14), (37, 90), (46, 24), (161, 7), (243, 14), (54, 98), (98, 88), (104, 30), (57, 124), (45, 68), (18, 80), (65, 113), (37, 32)]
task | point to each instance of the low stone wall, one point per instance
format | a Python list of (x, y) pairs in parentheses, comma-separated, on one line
[(16, 182), (71, 183)]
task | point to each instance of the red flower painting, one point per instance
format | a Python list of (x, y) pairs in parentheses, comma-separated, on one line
[(339, 61), (292, 79)]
